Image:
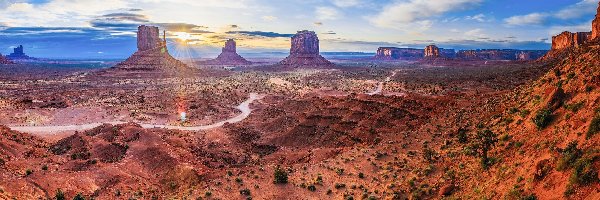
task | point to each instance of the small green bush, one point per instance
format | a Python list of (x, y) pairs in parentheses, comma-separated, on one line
[(60, 195), (280, 176), (79, 197), (594, 127), (568, 156), (245, 192), (542, 118)]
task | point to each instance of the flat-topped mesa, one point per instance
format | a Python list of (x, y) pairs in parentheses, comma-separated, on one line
[(394, 53), (18, 54), (152, 53), (228, 56), (432, 51), (304, 51), (596, 25)]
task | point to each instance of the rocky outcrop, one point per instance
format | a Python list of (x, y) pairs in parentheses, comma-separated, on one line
[(4, 60), (393, 53), (152, 53), (228, 56), (432, 51), (18, 54), (304, 51), (530, 55), (596, 25), (569, 40)]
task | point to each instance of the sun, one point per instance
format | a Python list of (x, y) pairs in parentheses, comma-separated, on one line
[(183, 36)]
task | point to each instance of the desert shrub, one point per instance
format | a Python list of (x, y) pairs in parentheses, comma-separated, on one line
[(361, 175), (79, 196), (462, 136), (245, 192), (429, 154), (594, 127), (28, 172), (45, 167), (583, 172), (575, 106), (484, 141), (339, 185), (311, 188), (542, 118), (60, 195), (524, 113), (568, 156), (513, 110), (280, 176)]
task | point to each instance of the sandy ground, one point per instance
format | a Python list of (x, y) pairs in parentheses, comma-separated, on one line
[(244, 107)]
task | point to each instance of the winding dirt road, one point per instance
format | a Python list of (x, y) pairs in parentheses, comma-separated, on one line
[(244, 107), (379, 87)]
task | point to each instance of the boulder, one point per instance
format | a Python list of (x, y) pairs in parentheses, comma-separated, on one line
[(304, 51), (446, 190)]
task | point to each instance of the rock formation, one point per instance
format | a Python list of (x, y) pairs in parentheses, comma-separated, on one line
[(18, 54), (432, 51), (530, 55), (152, 53), (304, 51), (4, 60), (596, 25), (568, 40), (393, 53), (228, 56)]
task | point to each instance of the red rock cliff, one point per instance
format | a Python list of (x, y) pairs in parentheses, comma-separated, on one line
[(568, 40), (432, 51), (148, 37), (596, 25)]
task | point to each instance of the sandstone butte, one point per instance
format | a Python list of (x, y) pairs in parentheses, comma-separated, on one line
[(229, 56), (432, 51), (152, 52), (304, 51)]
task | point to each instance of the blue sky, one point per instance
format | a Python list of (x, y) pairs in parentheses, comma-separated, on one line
[(106, 29)]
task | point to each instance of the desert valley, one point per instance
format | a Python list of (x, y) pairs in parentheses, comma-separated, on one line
[(403, 123)]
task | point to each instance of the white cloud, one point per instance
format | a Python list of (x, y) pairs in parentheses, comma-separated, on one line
[(346, 3), (580, 9), (269, 18), (475, 34), (404, 13), (478, 17), (526, 20), (327, 13)]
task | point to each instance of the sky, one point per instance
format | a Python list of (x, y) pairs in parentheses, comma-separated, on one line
[(107, 28)]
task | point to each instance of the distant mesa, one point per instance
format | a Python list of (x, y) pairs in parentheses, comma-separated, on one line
[(500, 54), (304, 51), (152, 53), (393, 53), (18, 54), (228, 56), (4, 60)]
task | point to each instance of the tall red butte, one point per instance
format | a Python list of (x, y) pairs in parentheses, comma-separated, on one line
[(152, 53), (304, 51), (596, 25)]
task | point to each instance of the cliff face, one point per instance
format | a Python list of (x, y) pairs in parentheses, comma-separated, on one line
[(393, 53), (596, 25), (228, 56), (148, 38), (568, 40), (432, 51), (152, 53), (304, 51)]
